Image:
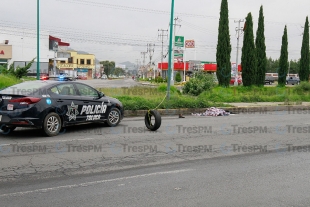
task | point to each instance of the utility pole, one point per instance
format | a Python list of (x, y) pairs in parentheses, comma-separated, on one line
[(38, 39), (162, 35), (170, 48), (172, 72), (238, 29), (143, 72), (150, 50), (138, 63)]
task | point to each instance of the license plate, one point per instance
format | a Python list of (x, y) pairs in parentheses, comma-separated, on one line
[(0, 117), (10, 107)]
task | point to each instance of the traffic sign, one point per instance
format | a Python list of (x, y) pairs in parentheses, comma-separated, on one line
[(179, 41)]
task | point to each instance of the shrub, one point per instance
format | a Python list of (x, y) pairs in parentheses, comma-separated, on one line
[(178, 77), (199, 83), (304, 86), (163, 88), (159, 79)]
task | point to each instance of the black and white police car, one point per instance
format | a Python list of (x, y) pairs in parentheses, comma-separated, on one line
[(52, 105)]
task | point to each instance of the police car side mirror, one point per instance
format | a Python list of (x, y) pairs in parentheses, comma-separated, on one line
[(101, 94)]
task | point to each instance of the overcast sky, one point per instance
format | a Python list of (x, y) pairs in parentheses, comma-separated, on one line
[(119, 30)]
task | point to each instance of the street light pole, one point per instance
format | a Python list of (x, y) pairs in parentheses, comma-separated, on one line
[(38, 39), (238, 36), (170, 49)]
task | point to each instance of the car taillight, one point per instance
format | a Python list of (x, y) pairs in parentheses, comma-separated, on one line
[(25, 100)]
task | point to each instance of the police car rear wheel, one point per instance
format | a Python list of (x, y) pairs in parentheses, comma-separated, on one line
[(6, 129), (114, 117), (52, 124)]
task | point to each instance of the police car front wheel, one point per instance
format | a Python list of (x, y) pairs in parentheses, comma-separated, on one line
[(114, 117)]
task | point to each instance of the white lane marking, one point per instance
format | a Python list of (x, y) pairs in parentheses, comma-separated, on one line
[(44, 190), (25, 143)]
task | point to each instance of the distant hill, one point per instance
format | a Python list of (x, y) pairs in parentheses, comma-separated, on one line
[(128, 65)]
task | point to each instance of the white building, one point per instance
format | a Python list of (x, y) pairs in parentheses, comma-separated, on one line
[(23, 44)]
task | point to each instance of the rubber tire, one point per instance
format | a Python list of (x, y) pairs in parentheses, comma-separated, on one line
[(7, 129), (119, 117), (148, 117), (45, 130)]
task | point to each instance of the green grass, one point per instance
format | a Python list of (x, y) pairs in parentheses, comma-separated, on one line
[(139, 97), (258, 94), (6, 80)]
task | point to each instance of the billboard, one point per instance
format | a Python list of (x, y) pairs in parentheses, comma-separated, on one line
[(189, 43)]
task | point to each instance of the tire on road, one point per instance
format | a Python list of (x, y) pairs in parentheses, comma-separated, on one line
[(114, 117), (148, 120), (6, 129), (51, 125)]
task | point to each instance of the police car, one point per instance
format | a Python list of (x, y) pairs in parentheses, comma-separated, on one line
[(52, 105)]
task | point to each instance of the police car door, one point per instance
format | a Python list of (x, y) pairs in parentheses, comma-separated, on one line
[(94, 107), (67, 102)]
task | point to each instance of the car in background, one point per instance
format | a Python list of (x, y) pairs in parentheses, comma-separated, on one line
[(52, 105), (44, 76), (269, 80), (292, 80), (104, 77), (232, 81), (65, 77), (81, 77)]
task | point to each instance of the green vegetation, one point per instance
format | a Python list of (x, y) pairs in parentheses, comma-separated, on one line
[(248, 57), (304, 60), (283, 63), (178, 77), (223, 48), (18, 72), (260, 50), (159, 79), (8, 80), (138, 98), (259, 94), (200, 83)]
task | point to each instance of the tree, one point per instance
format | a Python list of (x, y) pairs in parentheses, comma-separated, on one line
[(283, 63), (260, 50), (178, 77), (304, 60), (248, 58), (223, 48), (108, 66), (119, 71)]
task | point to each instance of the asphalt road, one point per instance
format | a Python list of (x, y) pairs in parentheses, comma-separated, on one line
[(115, 83), (96, 148), (271, 179)]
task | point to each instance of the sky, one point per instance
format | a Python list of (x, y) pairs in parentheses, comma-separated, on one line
[(119, 30)]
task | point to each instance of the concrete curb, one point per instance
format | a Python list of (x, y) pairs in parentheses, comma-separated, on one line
[(293, 109)]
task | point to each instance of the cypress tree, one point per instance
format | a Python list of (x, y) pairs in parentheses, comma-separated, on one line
[(260, 50), (248, 57), (223, 48), (283, 62), (304, 60)]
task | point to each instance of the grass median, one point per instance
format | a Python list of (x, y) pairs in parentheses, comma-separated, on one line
[(7, 80), (142, 97)]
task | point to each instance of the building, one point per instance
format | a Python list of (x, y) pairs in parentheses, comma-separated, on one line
[(18, 46), (5, 52), (209, 67), (24, 47), (78, 64)]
